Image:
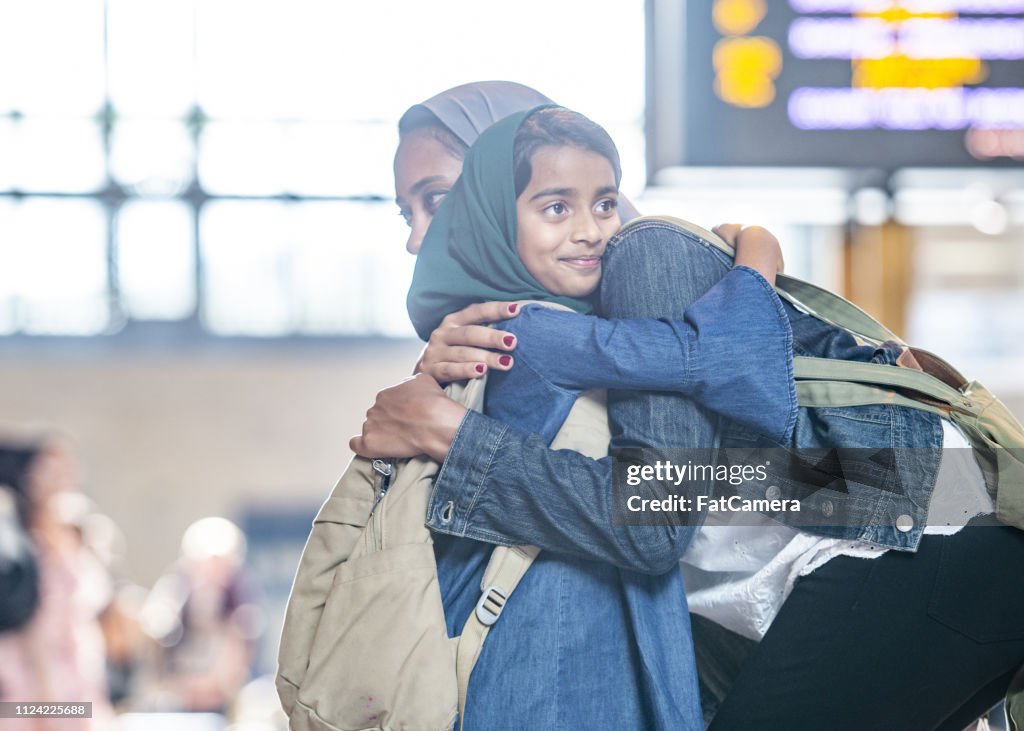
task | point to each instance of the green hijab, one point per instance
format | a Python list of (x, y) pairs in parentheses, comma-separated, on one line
[(469, 252)]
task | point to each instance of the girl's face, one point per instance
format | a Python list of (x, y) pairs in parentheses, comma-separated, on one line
[(566, 215), (425, 171)]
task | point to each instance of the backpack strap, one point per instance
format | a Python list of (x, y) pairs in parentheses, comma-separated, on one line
[(815, 394), (506, 567), (833, 309), (829, 375)]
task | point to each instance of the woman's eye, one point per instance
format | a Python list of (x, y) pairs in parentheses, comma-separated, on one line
[(434, 200), (406, 216)]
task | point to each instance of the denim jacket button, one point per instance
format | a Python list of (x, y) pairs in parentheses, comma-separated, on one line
[(827, 508), (773, 492), (904, 523)]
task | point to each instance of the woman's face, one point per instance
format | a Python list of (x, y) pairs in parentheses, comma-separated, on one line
[(566, 215), (425, 171)]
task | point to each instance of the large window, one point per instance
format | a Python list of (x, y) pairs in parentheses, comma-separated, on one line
[(224, 166)]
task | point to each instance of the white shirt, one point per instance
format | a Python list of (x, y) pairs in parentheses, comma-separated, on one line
[(740, 575)]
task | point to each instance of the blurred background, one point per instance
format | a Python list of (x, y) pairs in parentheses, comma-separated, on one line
[(202, 268)]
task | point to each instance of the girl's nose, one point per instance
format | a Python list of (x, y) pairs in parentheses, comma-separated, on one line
[(587, 232)]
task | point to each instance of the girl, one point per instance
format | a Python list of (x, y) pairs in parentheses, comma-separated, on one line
[(534, 212)]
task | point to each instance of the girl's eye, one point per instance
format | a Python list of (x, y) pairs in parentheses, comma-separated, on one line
[(607, 205), (406, 216), (556, 208)]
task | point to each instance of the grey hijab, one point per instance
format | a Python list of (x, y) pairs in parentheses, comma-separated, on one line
[(469, 109)]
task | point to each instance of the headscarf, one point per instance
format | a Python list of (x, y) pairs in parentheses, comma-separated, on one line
[(469, 109), (469, 253)]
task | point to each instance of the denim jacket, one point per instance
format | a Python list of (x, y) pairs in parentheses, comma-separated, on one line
[(582, 641), (523, 492)]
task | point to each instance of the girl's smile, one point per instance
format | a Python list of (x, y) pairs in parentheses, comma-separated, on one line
[(586, 263)]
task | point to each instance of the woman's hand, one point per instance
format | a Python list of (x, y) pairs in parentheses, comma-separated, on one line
[(462, 347), (413, 418), (756, 248)]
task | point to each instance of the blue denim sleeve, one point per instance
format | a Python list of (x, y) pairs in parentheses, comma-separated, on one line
[(732, 352), (506, 488)]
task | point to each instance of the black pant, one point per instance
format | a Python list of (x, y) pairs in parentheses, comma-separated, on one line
[(928, 640)]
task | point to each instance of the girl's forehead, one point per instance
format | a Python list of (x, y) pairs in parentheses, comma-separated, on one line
[(585, 168)]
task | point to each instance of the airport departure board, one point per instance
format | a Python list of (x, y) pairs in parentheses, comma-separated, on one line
[(854, 83)]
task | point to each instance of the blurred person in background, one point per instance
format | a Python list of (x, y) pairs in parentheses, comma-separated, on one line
[(57, 656), (203, 616), (116, 601)]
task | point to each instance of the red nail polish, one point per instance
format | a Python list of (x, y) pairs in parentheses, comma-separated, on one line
[(480, 368), (513, 308), (505, 360), (508, 340)]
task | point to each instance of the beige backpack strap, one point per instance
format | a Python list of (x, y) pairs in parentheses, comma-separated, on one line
[(506, 567), (877, 374)]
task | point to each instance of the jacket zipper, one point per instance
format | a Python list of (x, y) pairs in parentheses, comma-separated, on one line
[(383, 470)]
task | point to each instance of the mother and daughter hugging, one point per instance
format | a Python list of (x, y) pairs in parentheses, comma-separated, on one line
[(883, 622)]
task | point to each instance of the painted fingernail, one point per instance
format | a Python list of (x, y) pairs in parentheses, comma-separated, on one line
[(513, 308), (480, 368), (508, 340), (505, 360)]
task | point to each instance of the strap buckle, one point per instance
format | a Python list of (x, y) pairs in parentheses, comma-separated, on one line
[(488, 609)]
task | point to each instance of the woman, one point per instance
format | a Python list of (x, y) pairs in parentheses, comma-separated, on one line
[(820, 602)]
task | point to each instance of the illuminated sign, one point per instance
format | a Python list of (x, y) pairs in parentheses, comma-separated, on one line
[(853, 83)]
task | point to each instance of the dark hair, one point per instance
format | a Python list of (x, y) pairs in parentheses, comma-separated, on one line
[(419, 118), (559, 127)]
